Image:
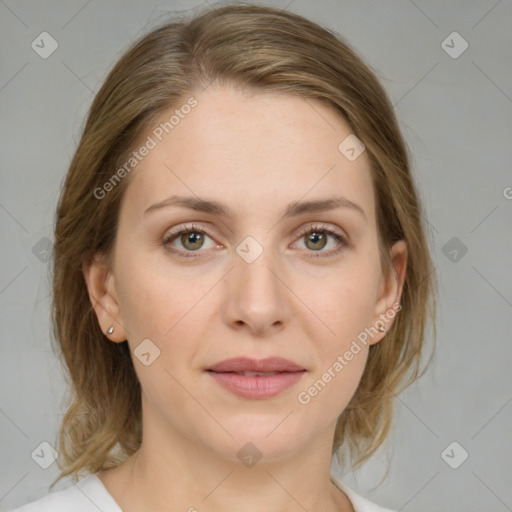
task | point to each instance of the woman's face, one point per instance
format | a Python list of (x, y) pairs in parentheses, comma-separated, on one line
[(251, 282)]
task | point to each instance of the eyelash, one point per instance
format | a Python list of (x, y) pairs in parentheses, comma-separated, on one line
[(316, 228)]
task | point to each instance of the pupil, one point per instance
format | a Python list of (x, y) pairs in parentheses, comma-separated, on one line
[(193, 238), (315, 237)]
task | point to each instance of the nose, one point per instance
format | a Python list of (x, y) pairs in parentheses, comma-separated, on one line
[(257, 296)]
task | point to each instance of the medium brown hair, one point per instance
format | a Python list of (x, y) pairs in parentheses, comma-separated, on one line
[(259, 49)]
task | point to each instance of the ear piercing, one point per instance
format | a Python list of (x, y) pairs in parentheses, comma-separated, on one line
[(382, 329)]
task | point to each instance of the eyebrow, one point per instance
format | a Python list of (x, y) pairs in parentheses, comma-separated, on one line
[(292, 210)]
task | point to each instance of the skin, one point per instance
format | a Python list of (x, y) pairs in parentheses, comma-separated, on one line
[(256, 153)]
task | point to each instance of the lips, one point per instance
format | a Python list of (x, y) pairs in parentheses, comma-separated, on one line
[(253, 379)]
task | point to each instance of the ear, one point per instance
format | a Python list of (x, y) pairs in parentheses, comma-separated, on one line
[(103, 296), (390, 291)]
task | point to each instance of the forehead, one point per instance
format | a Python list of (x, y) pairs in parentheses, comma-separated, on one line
[(248, 149)]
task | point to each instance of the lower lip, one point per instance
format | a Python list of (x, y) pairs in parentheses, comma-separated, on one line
[(257, 387)]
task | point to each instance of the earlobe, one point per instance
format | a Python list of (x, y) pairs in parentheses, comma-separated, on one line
[(100, 284), (388, 304)]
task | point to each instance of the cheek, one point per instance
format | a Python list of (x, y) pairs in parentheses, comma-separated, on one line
[(345, 304), (161, 302), (344, 301), (145, 303), (341, 356), (331, 386), (148, 304)]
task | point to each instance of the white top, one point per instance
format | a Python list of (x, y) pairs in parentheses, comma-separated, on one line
[(90, 495)]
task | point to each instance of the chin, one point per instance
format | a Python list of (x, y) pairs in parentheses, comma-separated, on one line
[(267, 435)]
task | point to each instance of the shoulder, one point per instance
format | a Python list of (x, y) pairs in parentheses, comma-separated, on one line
[(359, 503), (88, 495)]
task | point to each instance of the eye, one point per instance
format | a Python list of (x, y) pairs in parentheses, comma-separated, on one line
[(191, 239), (316, 239)]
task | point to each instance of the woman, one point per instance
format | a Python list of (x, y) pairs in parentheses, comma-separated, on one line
[(241, 276)]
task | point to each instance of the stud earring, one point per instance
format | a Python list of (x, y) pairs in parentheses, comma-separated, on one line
[(382, 329), (110, 329)]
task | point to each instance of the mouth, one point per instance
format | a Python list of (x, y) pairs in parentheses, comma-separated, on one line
[(256, 379)]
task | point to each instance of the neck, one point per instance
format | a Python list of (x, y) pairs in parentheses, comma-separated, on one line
[(173, 472)]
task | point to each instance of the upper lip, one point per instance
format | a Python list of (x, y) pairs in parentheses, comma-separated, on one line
[(246, 364)]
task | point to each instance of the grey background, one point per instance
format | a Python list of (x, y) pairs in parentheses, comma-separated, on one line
[(456, 114)]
